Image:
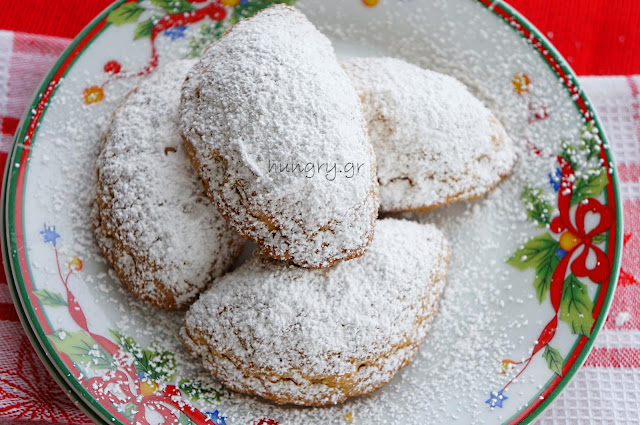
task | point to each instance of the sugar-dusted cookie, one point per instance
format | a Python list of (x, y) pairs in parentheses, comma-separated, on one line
[(152, 218), (434, 141), (317, 337), (275, 129)]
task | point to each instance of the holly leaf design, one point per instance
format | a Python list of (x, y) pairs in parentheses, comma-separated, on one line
[(544, 273), (52, 299), (534, 252), (538, 209), (173, 6), (144, 29), (125, 14), (538, 253), (576, 307), (82, 349), (198, 390), (247, 10), (554, 359), (589, 186)]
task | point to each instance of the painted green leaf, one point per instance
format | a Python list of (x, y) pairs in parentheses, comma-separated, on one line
[(244, 11), (161, 365), (126, 342), (125, 14), (208, 34), (576, 307), (589, 186), (185, 420), (82, 349), (173, 6), (581, 153), (591, 142), (600, 238), (571, 154), (143, 30), (198, 390), (129, 410), (129, 345), (544, 272), (554, 359), (155, 363), (534, 252), (49, 298), (538, 209), (538, 253)]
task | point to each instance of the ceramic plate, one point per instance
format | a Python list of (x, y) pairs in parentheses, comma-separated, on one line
[(533, 268)]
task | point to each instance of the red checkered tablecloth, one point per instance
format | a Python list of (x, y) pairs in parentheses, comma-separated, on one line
[(606, 390)]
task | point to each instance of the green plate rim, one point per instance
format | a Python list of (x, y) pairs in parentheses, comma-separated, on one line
[(8, 195)]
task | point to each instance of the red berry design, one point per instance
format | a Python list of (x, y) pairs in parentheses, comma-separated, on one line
[(112, 67), (217, 13)]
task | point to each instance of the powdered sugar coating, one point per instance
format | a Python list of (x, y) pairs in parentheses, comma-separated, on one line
[(152, 217), (435, 142), (315, 337), (272, 92)]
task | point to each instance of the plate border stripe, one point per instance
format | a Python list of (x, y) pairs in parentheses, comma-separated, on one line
[(14, 184)]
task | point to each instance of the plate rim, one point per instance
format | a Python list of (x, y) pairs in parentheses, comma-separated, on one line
[(527, 413), (42, 356), (29, 332), (94, 27), (532, 411)]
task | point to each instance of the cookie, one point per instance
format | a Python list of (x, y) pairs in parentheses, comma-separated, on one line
[(434, 141), (275, 129), (152, 217), (317, 337)]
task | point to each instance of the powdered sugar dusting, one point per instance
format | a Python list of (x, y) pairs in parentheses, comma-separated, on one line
[(487, 311), (435, 143), (316, 337), (271, 91), (152, 217)]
